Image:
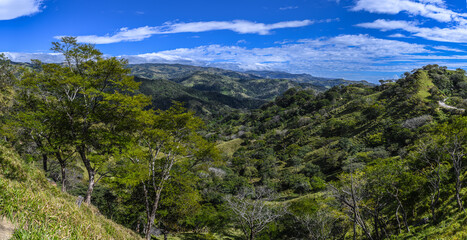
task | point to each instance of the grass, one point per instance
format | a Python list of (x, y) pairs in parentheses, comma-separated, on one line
[(425, 85), (230, 147), (41, 211)]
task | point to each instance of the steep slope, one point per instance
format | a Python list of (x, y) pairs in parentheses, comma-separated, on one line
[(163, 92), (231, 83), (176, 71), (265, 89), (40, 211), (303, 142)]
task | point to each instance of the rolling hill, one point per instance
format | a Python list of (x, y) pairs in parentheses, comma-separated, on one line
[(210, 91)]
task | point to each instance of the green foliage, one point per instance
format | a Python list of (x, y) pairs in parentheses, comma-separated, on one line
[(357, 161)]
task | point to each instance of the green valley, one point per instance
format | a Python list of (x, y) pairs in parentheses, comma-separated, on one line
[(92, 149)]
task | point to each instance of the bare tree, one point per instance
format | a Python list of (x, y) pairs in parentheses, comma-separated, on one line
[(433, 157), (350, 196), (319, 225), (456, 152), (253, 210)]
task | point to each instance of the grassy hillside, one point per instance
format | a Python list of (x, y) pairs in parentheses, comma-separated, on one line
[(40, 211), (304, 142)]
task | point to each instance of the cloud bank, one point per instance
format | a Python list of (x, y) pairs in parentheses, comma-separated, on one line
[(348, 56), (455, 29), (141, 33), (11, 9), (434, 9)]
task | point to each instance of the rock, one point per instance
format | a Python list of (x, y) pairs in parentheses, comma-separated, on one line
[(6, 229), (79, 201)]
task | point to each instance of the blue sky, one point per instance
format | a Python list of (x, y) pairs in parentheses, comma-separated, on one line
[(352, 39)]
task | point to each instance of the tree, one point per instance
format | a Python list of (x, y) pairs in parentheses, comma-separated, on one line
[(388, 183), (253, 210), (92, 100), (351, 196), (432, 155), (455, 139), (167, 141), (319, 225), (7, 78)]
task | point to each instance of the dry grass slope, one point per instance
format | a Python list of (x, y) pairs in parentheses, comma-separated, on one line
[(41, 211)]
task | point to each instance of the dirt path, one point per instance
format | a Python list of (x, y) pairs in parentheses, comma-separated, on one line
[(6, 229), (444, 105)]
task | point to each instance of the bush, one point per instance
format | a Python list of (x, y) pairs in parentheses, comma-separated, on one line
[(417, 122), (299, 183)]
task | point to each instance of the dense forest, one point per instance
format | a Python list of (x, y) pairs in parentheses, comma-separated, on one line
[(88, 151)]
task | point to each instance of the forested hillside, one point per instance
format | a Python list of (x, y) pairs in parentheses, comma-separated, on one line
[(214, 91), (353, 162)]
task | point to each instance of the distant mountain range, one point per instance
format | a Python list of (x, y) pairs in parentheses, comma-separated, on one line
[(307, 78), (211, 91)]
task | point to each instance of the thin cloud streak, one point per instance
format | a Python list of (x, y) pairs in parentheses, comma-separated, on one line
[(430, 9), (454, 31), (457, 34)]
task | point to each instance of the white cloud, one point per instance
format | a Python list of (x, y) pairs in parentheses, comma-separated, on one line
[(239, 26), (434, 9), (26, 57), (323, 57), (288, 8), (456, 34), (398, 35), (444, 48), (11, 9), (386, 25), (455, 24)]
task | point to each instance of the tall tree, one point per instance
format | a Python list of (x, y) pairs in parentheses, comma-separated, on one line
[(432, 155), (167, 140), (454, 137), (7, 78), (92, 100)]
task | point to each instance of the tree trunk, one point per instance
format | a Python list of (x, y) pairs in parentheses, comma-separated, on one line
[(91, 182), (458, 196), (404, 216), (252, 235), (354, 203), (434, 203), (91, 174), (153, 213), (62, 168), (376, 225), (44, 161)]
